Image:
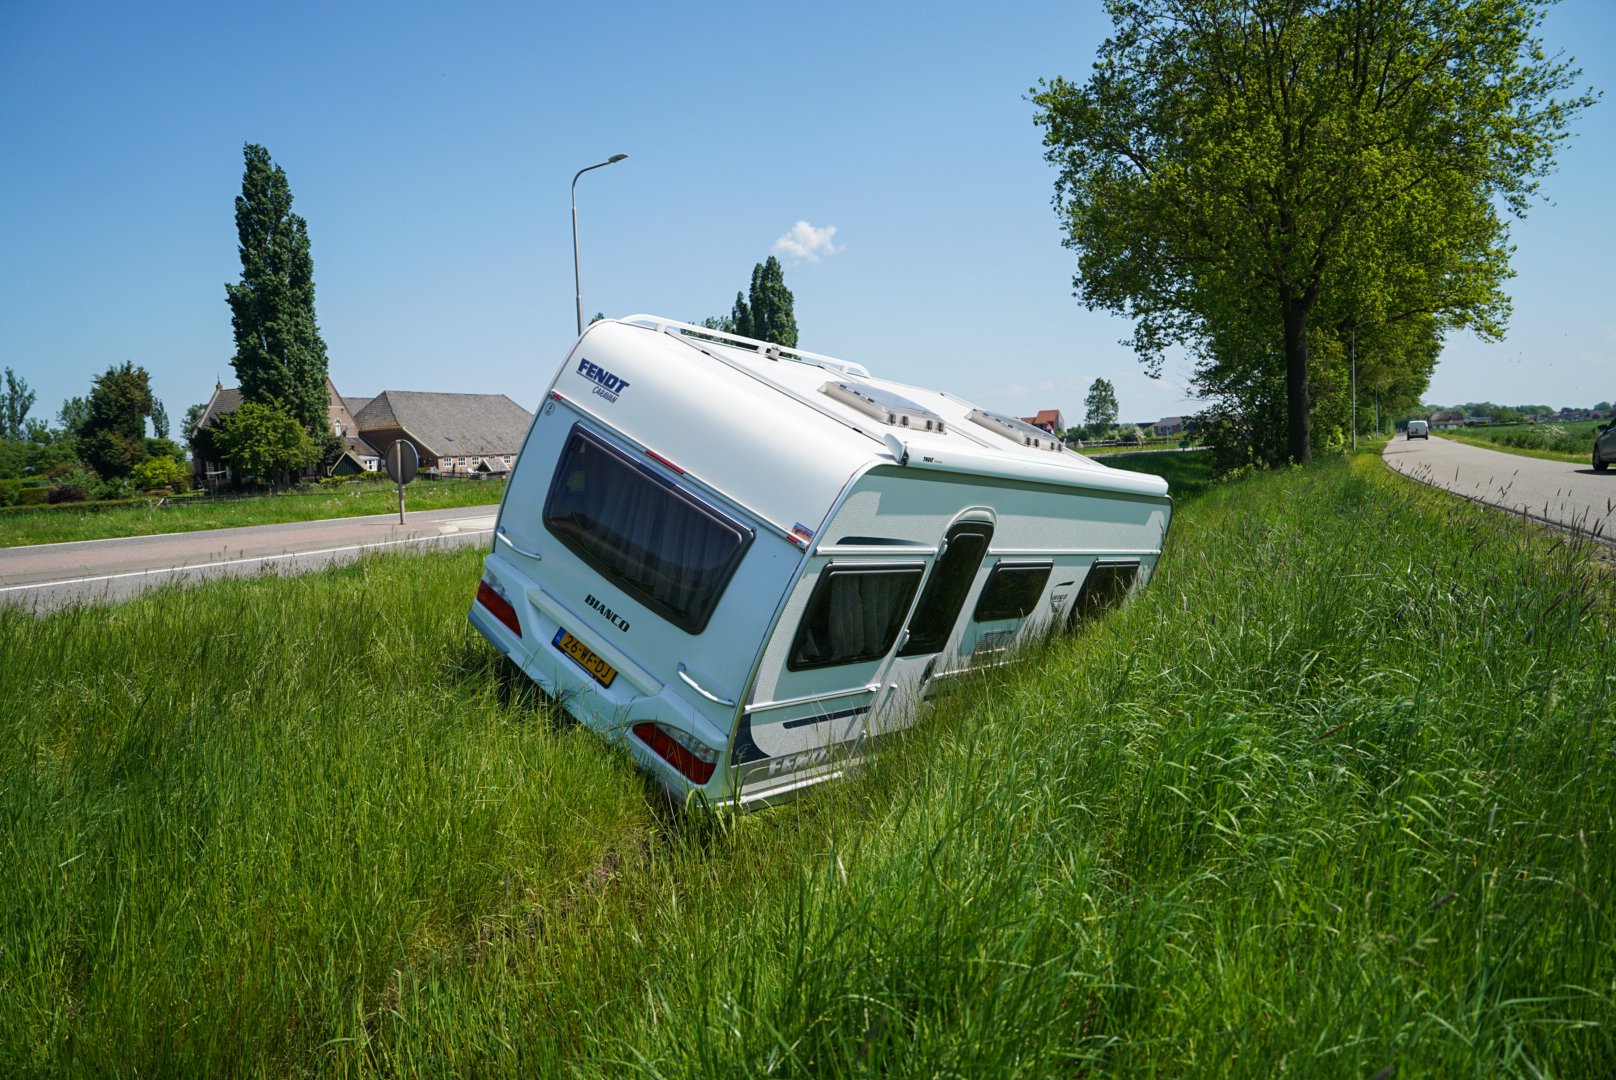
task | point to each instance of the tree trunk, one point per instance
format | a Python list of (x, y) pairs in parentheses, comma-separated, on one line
[(1296, 406)]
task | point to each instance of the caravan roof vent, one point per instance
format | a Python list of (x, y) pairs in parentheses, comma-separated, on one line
[(884, 405), (1017, 431)]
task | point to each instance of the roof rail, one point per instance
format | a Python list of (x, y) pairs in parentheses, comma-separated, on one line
[(768, 349)]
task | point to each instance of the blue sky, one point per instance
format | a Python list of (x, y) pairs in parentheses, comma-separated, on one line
[(431, 147)]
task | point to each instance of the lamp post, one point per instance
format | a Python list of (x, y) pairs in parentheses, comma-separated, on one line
[(1363, 322), (1354, 380), (577, 281)]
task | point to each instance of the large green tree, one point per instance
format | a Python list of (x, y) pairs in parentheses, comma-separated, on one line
[(1100, 406), (1238, 176), (112, 435), (280, 356), (264, 441)]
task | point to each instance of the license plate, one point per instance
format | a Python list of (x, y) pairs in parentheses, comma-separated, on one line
[(584, 657)]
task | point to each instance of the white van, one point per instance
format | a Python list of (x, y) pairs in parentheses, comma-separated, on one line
[(749, 563)]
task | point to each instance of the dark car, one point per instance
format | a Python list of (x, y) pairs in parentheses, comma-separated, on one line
[(1605, 447)]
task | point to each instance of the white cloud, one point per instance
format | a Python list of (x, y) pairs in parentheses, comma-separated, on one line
[(806, 242)]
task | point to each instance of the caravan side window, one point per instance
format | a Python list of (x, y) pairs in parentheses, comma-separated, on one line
[(1012, 591), (1104, 587), (945, 591), (659, 543), (853, 615)]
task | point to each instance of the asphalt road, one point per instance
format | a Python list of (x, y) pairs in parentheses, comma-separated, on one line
[(44, 577), (1556, 492)]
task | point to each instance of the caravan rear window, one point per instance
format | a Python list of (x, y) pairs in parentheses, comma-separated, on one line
[(1012, 591), (660, 544), (853, 615), (1104, 587)]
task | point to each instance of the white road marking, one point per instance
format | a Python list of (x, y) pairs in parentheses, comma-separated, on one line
[(223, 562)]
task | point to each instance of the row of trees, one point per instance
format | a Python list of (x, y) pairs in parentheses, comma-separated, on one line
[(100, 446), (1293, 189)]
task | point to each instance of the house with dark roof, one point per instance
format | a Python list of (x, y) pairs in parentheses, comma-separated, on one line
[(1168, 425), (358, 456), (1447, 418), (453, 434)]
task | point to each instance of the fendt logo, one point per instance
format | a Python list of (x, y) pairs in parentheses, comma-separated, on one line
[(611, 616), (607, 385)]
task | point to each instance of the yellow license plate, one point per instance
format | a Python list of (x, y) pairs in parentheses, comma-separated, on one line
[(584, 657)]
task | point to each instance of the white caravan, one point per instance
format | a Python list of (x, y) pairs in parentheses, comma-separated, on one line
[(749, 563)]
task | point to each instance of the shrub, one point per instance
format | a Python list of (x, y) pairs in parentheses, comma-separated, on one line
[(160, 472)]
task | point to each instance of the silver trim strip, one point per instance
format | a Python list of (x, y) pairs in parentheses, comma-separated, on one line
[(500, 535), (764, 706), (708, 694)]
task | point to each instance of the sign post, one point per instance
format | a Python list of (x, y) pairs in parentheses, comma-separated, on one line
[(402, 465)]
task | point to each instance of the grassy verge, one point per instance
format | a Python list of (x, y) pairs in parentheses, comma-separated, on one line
[(1333, 795), (1572, 440), (86, 522), (1187, 475)]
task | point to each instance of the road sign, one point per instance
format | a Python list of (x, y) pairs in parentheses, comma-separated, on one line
[(402, 464), (402, 461)]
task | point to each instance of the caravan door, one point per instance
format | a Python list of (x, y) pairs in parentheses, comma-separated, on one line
[(930, 641)]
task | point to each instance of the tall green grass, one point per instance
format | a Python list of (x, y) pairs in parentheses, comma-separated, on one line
[(1334, 794)]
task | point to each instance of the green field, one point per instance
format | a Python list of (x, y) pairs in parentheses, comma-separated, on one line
[(87, 521), (1336, 793), (1570, 441)]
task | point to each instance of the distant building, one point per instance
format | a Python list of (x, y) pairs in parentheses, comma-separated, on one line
[(1168, 425), (1447, 418), (1049, 420), (453, 434)]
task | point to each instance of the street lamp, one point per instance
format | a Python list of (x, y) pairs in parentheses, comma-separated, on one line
[(1354, 377), (576, 280), (1365, 322)]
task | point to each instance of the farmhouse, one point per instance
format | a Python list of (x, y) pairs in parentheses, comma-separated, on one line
[(453, 434), (1447, 418), (1168, 425)]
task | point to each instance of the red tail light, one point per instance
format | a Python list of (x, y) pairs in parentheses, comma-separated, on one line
[(498, 607), (680, 751)]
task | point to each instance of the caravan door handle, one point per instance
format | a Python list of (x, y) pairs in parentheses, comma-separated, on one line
[(500, 533), (697, 687)]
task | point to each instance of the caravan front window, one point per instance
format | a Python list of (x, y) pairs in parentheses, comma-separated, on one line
[(657, 542), (853, 615)]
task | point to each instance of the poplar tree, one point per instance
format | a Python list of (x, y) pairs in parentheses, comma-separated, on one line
[(280, 356), (767, 312)]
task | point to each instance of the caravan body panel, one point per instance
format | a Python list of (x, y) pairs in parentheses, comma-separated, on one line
[(749, 564)]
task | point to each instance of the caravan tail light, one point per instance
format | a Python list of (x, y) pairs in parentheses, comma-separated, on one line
[(498, 607), (694, 760)]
